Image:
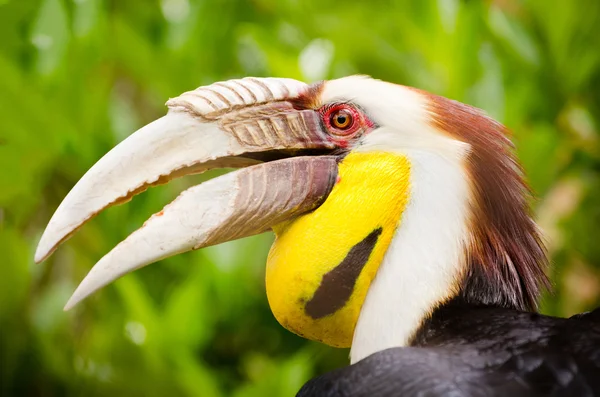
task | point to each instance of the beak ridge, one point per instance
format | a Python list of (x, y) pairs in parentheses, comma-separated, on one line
[(221, 125)]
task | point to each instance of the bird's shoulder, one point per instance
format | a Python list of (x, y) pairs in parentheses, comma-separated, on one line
[(479, 351)]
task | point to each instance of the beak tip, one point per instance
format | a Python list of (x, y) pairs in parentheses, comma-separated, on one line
[(41, 253), (45, 247), (102, 274), (79, 295), (71, 303)]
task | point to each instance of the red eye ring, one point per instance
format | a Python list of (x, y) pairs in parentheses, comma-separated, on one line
[(342, 119)]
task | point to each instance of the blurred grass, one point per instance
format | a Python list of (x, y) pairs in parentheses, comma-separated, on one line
[(77, 76)]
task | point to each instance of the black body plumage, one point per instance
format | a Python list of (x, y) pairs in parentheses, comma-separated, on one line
[(470, 350)]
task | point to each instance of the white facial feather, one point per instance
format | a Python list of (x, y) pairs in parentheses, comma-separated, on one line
[(425, 257)]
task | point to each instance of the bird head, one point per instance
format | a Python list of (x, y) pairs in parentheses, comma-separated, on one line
[(385, 201)]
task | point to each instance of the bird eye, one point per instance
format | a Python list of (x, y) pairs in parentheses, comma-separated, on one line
[(341, 119)]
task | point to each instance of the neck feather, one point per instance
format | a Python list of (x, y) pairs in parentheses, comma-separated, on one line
[(506, 258), (466, 233)]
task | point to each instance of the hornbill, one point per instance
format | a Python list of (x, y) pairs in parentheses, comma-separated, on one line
[(402, 224)]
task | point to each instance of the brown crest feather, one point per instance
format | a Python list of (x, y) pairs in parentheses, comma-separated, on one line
[(311, 98), (506, 256)]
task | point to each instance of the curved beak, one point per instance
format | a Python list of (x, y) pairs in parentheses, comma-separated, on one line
[(250, 123)]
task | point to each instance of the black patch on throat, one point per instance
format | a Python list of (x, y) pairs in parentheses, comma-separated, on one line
[(337, 285)]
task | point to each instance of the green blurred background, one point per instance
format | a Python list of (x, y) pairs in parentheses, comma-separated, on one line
[(77, 76)]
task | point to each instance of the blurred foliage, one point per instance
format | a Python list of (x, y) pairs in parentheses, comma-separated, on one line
[(77, 76)]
